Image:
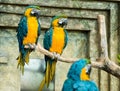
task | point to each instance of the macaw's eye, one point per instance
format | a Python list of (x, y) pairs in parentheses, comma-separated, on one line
[(63, 21), (35, 12), (32, 12)]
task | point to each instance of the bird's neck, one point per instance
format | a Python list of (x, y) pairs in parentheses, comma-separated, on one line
[(84, 76), (58, 28)]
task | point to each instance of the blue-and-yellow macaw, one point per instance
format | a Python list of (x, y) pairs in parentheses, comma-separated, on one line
[(28, 32), (78, 78), (55, 40)]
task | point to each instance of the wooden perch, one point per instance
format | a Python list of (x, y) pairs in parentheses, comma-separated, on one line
[(107, 65), (103, 63), (103, 38), (46, 52)]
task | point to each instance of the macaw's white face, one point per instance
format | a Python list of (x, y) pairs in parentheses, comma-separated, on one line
[(85, 72), (32, 12), (59, 22), (35, 12), (62, 22)]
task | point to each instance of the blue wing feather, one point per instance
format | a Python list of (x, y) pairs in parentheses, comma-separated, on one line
[(93, 86), (66, 38), (68, 85), (48, 39), (22, 32), (47, 43), (85, 86)]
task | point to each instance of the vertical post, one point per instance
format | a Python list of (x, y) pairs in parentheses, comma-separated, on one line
[(103, 52), (103, 37)]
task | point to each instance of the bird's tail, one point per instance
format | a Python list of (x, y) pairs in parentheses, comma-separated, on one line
[(49, 75), (53, 69), (22, 60)]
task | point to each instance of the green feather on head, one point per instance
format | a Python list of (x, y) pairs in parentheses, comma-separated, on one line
[(33, 6), (35, 9), (88, 61), (57, 17)]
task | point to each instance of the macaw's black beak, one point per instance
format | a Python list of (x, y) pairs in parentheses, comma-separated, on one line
[(35, 12), (63, 22), (88, 69)]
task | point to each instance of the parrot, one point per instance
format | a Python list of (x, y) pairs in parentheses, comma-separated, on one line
[(28, 32), (55, 40), (78, 77)]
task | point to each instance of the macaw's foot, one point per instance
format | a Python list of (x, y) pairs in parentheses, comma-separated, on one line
[(30, 46), (55, 55)]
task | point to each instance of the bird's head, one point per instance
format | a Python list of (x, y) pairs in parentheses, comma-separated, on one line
[(59, 21), (32, 11), (80, 70)]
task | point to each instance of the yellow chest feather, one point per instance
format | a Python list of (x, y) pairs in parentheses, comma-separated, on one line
[(58, 39), (32, 26)]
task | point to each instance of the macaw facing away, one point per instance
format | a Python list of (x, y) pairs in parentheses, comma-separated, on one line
[(28, 32), (55, 40), (78, 78)]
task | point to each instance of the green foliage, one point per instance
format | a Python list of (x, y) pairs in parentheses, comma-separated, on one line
[(118, 59)]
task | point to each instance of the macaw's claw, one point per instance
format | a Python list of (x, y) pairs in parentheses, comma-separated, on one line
[(30, 46), (55, 55)]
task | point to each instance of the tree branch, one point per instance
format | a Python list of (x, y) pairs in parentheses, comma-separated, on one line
[(103, 37), (46, 52), (103, 62), (108, 66)]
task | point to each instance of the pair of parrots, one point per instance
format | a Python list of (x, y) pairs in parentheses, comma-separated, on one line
[(55, 40)]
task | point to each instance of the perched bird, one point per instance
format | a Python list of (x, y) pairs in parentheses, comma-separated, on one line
[(55, 40), (28, 32), (78, 78)]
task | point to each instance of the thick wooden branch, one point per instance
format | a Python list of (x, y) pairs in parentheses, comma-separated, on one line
[(104, 64), (46, 52), (107, 65), (103, 36)]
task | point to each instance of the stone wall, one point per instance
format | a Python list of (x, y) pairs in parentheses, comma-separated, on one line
[(83, 41)]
